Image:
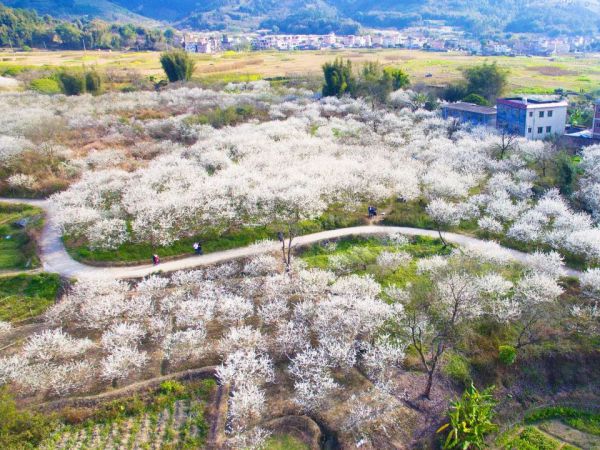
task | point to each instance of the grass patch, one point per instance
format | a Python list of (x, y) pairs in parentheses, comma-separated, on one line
[(285, 442), (533, 439), (26, 296), (17, 247), (359, 255), (580, 420)]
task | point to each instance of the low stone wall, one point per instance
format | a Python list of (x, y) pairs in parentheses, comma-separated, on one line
[(126, 391)]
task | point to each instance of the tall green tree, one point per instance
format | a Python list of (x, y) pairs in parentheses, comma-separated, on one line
[(339, 79), (178, 65), (486, 80)]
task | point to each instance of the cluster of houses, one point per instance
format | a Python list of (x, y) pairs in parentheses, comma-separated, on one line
[(433, 37), (535, 117)]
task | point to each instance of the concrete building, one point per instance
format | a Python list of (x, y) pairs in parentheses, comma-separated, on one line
[(596, 124), (535, 117), (470, 113)]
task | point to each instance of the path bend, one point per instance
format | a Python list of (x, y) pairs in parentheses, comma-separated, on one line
[(55, 258)]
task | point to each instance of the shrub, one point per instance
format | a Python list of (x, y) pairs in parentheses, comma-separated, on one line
[(45, 86), (93, 83), (71, 83), (470, 419), (476, 99), (21, 429), (507, 354), (178, 65), (457, 368), (172, 387)]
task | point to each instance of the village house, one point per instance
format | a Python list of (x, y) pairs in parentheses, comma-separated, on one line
[(535, 117)]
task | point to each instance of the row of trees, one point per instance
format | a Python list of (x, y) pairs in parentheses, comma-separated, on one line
[(25, 28), (373, 81), (482, 84)]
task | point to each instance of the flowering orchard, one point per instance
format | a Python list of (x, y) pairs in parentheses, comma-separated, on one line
[(308, 329)]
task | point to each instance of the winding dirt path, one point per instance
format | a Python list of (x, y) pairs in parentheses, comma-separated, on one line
[(55, 258)]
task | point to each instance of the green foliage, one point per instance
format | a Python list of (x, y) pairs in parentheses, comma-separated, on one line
[(285, 442), (25, 28), (45, 86), (487, 80), (457, 368), (21, 429), (26, 296), (476, 99), (377, 82), (470, 419), (400, 79), (93, 83), (339, 79), (565, 173), (72, 83), (533, 439), (455, 92), (585, 421), (178, 65), (229, 116), (507, 354), (17, 246), (172, 387)]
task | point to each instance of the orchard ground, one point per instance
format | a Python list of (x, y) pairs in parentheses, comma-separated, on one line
[(528, 74)]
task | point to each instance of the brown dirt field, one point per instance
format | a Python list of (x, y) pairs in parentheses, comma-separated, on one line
[(552, 71)]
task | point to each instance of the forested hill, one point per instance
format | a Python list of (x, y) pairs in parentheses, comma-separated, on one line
[(484, 17), (25, 28)]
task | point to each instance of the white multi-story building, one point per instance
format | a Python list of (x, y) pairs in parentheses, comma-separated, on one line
[(534, 117)]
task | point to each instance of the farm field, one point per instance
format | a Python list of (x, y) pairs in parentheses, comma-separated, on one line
[(528, 74)]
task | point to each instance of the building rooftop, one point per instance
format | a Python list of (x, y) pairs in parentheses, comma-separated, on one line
[(533, 101), (470, 107)]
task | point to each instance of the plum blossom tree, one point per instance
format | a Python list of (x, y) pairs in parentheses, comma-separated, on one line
[(313, 384), (122, 362)]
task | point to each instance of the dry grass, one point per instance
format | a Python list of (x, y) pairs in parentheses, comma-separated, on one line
[(569, 72)]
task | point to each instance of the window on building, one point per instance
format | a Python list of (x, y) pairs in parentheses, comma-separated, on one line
[(529, 130), (530, 113), (540, 130), (541, 113), (548, 129), (549, 113)]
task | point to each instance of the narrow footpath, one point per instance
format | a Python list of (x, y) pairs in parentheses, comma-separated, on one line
[(55, 258)]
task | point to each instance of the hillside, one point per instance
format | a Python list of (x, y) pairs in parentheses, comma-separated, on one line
[(482, 17), (101, 9)]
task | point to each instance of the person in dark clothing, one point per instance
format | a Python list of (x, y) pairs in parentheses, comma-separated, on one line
[(280, 236), (155, 260), (199, 249)]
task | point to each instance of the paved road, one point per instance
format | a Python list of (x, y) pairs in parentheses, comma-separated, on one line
[(55, 258)]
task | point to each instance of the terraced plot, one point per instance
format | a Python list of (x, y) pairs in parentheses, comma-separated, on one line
[(180, 425)]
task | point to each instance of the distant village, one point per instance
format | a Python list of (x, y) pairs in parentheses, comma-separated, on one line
[(438, 38)]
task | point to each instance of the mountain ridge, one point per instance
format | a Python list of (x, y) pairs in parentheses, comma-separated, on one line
[(481, 17)]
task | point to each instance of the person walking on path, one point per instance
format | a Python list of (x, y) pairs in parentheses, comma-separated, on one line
[(155, 259), (198, 248)]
